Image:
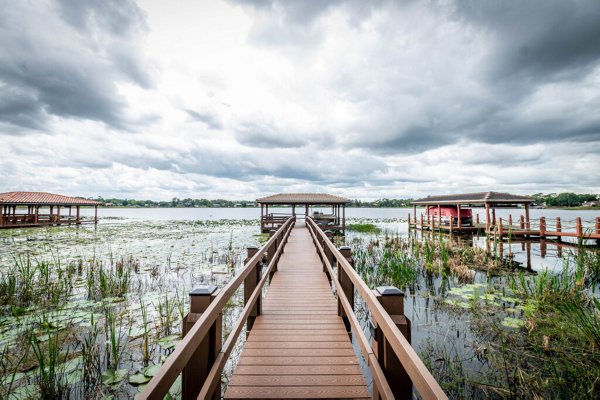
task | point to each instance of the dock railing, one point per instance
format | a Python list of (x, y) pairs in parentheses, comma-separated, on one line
[(199, 354), (393, 356)]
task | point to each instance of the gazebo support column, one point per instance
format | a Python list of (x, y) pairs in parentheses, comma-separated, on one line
[(344, 217), (487, 218), (77, 216), (95, 215), (58, 215), (459, 219), (527, 225)]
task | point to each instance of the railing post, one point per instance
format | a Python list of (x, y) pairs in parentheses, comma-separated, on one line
[(196, 371), (542, 227), (250, 285), (392, 300), (421, 221), (346, 284), (559, 230), (271, 253), (500, 228), (328, 254), (578, 227)]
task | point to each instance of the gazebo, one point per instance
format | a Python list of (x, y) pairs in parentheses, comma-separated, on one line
[(334, 221), (490, 200), (25, 209)]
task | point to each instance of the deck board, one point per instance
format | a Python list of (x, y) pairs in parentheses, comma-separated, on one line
[(298, 347)]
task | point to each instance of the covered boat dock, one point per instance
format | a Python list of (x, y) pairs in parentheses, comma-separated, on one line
[(335, 221), (489, 200), (29, 209)]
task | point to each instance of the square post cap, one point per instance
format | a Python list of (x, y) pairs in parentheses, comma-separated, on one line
[(204, 290), (389, 291), (346, 251)]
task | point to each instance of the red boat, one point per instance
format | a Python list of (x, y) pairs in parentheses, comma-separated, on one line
[(447, 212)]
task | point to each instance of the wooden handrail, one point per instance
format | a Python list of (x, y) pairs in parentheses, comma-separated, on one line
[(217, 368), (160, 384), (425, 383), (376, 372)]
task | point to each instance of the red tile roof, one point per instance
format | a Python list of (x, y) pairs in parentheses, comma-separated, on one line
[(476, 198), (42, 198), (302, 198)]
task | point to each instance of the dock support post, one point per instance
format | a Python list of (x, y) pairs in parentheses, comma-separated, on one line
[(392, 300), (347, 285), (196, 371), (249, 285), (543, 227), (477, 219), (558, 229), (522, 223), (500, 228), (578, 228)]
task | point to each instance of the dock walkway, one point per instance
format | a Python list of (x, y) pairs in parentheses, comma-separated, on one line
[(298, 346)]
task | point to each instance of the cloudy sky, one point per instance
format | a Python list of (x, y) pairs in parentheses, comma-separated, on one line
[(242, 98)]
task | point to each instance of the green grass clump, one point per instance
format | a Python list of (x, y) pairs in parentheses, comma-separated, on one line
[(364, 228)]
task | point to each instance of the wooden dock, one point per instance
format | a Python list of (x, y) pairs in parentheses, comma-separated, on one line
[(298, 346), (298, 343)]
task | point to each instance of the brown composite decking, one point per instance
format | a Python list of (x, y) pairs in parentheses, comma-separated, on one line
[(298, 347)]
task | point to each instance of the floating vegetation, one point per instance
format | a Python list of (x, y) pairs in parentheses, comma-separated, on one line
[(88, 313), (364, 228), (487, 327)]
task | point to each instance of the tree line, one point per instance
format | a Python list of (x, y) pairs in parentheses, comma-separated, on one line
[(548, 200)]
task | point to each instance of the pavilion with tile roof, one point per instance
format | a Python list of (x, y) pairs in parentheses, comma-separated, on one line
[(26, 209)]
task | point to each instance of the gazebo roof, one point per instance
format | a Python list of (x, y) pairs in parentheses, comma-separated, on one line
[(43, 198), (475, 198), (302, 198)]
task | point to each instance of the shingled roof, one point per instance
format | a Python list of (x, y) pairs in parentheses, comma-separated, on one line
[(42, 198), (475, 198), (302, 198)]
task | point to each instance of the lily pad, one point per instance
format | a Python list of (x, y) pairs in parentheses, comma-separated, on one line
[(111, 377), (513, 322), (138, 379), (26, 392), (168, 341), (135, 332), (152, 370)]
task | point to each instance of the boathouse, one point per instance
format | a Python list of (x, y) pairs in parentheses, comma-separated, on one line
[(335, 221), (28, 209), (489, 200)]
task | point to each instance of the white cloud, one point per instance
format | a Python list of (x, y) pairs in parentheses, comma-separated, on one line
[(236, 100)]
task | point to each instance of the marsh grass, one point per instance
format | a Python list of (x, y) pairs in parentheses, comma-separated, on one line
[(364, 228)]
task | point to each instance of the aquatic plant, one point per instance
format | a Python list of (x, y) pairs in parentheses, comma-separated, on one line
[(50, 375), (363, 228)]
